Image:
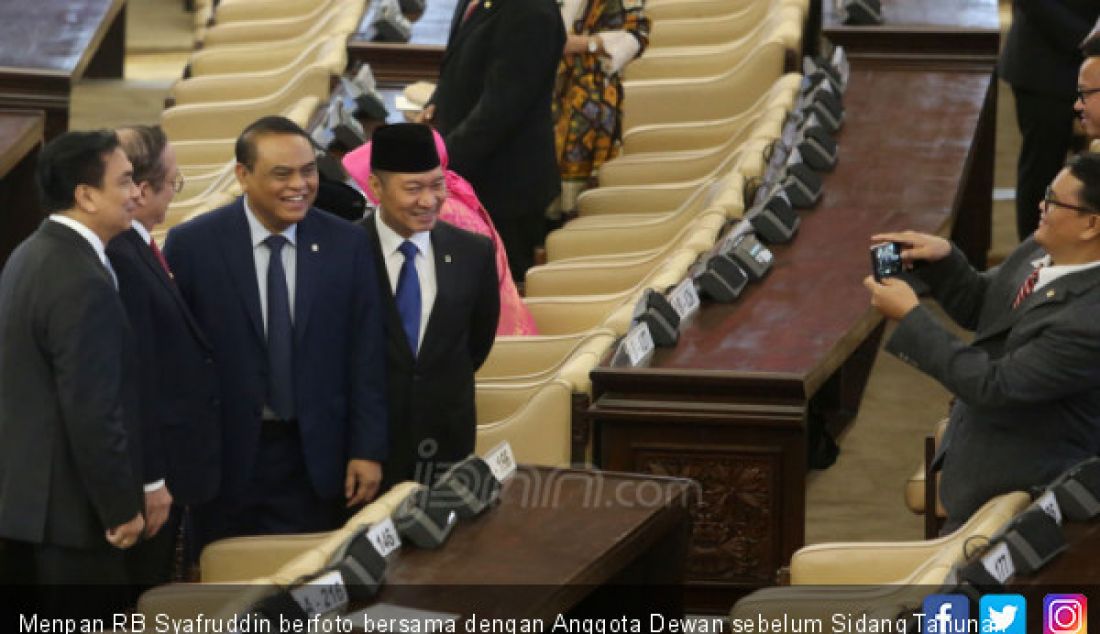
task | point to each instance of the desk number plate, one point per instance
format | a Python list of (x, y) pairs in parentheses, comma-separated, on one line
[(685, 299), (1049, 504), (998, 561), (322, 595), (639, 344), (384, 537), (501, 461)]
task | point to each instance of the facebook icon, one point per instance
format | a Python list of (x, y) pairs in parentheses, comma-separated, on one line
[(945, 614)]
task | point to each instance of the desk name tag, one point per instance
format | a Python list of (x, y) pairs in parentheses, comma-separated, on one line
[(501, 461), (1049, 504), (323, 594), (840, 63), (685, 299), (384, 537), (639, 344), (998, 562)]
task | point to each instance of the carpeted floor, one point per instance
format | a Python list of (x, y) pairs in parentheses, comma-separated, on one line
[(859, 498)]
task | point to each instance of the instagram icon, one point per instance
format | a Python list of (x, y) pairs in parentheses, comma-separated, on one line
[(1065, 614)]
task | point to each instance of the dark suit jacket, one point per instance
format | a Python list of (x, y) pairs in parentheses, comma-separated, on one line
[(1041, 54), (339, 370), (69, 445), (493, 101), (180, 409), (432, 396), (1027, 388)]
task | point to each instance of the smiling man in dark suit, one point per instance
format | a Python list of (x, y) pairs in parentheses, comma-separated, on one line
[(70, 461), (492, 105), (1028, 387), (442, 305), (288, 296), (178, 387)]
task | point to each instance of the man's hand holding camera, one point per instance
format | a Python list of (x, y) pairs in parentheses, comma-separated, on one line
[(893, 297)]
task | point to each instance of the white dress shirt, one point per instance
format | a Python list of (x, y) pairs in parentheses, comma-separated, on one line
[(1050, 272), (261, 255), (389, 240), (146, 237), (91, 238)]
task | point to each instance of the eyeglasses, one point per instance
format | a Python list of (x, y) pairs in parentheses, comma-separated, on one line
[(1083, 93), (177, 183), (1049, 199)]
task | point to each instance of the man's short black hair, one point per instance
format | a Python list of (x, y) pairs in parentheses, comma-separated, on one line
[(246, 143), (72, 159), (1085, 167), (144, 145)]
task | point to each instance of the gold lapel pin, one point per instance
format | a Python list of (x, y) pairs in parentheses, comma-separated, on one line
[(1050, 293), (313, 247), (488, 4), (447, 258)]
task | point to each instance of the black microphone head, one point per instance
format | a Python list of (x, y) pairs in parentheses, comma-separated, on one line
[(1078, 490), (468, 487), (361, 565), (424, 524)]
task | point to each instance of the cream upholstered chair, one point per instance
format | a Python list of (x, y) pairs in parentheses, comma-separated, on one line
[(244, 57), (251, 10), (916, 486), (594, 279), (703, 99), (902, 572), (535, 418), (659, 10), (687, 165), (571, 315), (226, 119), (712, 30), (239, 571), (348, 13), (330, 53), (528, 359), (196, 157), (695, 135), (783, 25), (622, 200)]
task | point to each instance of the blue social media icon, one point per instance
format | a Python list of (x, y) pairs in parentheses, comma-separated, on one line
[(946, 614), (1003, 614)]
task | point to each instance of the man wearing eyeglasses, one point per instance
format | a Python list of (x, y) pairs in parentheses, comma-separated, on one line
[(1087, 105), (178, 385), (1027, 387)]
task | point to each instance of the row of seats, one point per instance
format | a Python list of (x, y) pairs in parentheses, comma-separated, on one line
[(692, 143)]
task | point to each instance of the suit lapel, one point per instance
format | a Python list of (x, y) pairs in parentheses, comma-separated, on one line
[(394, 330), (236, 247), (77, 241), (1056, 292), (310, 271), (444, 282), (145, 254), (461, 29)]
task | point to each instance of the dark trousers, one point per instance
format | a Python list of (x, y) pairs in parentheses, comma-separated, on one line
[(1046, 125), (64, 582), (521, 234), (279, 498)]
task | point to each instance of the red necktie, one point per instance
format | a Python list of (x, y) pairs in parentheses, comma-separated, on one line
[(470, 10), (1026, 288), (159, 256)]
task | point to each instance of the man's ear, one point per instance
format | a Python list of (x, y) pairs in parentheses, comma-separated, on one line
[(241, 172), (1092, 228), (144, 191), (375, 184), (85, 199)]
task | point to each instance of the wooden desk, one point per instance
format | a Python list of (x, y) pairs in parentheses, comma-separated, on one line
[(20, 212), (418, 59), (557, 535), (47, 45), (730, 405), (924, 34)]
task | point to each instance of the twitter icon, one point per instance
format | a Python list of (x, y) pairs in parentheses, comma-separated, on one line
[(1003, 614)]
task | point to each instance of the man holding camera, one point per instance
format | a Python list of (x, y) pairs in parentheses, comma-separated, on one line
[(1028, 387)]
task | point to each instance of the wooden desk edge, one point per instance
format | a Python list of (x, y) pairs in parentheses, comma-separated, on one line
[(31, 134)]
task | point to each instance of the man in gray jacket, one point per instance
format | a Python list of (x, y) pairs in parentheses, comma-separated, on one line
[(1028, 387)]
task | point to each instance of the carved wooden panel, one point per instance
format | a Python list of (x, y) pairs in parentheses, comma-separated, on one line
[(733, 539)]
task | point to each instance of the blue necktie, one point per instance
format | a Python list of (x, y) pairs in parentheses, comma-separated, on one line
[(280, 334), (408, 294)]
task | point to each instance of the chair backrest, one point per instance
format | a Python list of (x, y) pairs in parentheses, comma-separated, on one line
[(258, 56), (703, 99), (539, 428), (783, 25), (229, 11), (713, 30), (348, 14), (533, 358)]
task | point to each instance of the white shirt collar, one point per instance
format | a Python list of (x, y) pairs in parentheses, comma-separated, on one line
[(389, 240), (84, 232), (142, 231), (1049, 272), (260, 232)]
